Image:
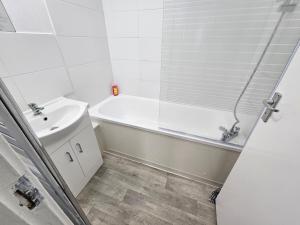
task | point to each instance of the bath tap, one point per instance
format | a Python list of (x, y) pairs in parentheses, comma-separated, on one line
[(36, 109), (229, 134)]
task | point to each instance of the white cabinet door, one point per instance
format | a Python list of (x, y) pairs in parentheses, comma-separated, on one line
[(87, 150), (68, 166)]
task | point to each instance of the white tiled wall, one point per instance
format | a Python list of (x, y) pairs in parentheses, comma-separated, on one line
[(62, 50), (134, 29), (25, 53), (81, 35), (34, 67), (29, 15), (75, 20), (2, 69)]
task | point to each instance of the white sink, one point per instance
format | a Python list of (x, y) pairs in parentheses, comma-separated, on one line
[(58, 115)]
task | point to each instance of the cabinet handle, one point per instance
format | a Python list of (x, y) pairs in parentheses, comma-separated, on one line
[(79, 148), (70, 156)]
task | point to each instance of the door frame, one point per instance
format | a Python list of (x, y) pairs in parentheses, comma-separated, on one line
[(37, 154)]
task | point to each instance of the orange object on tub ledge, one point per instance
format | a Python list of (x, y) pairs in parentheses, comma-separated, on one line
[(115, 90)]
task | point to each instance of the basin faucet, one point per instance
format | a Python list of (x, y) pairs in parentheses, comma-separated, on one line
[(229, 134), (36, 109)]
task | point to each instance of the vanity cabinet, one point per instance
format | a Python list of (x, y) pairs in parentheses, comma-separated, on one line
[(85, 146), (69, 167), (78, 156)]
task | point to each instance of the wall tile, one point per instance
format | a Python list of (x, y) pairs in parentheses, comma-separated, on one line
[(153, 4), (92, 82), (92, 4), (125, 69), (107, 6), (34, 65), (150, 23), (150, 71), (23, 53), (14, 91), (150, 49), (80, 50), (123, 24), (73, 20), (124, 5), (3, 71), (135, 56), (24, 15), (124, 48), (149, 89), (129, 86), (42, 86), (5, 22)]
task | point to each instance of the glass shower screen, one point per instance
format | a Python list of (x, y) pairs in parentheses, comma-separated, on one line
[(209, 50)]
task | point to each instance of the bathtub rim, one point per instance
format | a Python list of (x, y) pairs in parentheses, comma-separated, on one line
[(97, 118)]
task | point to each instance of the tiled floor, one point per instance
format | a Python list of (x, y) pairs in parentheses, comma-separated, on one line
[(124, 192)]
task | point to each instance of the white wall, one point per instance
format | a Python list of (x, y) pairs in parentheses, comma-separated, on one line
[(60, 48), (134, 29)]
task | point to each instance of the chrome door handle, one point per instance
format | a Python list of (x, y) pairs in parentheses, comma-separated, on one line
[(268, 104), (70, 156), (79, 148)]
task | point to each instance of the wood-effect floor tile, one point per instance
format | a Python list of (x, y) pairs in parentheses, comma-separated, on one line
[(98, 217), (152, 177), (155, 207), (125, 192), (192, 189)]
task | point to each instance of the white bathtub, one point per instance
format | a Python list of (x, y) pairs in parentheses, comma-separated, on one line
[(182, 121), (130, 127)]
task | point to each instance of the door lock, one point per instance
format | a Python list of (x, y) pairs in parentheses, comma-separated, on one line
[(270, 105), (28, 195)]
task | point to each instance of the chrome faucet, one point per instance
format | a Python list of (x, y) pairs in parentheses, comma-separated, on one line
[(229, 134), (36, 109)]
